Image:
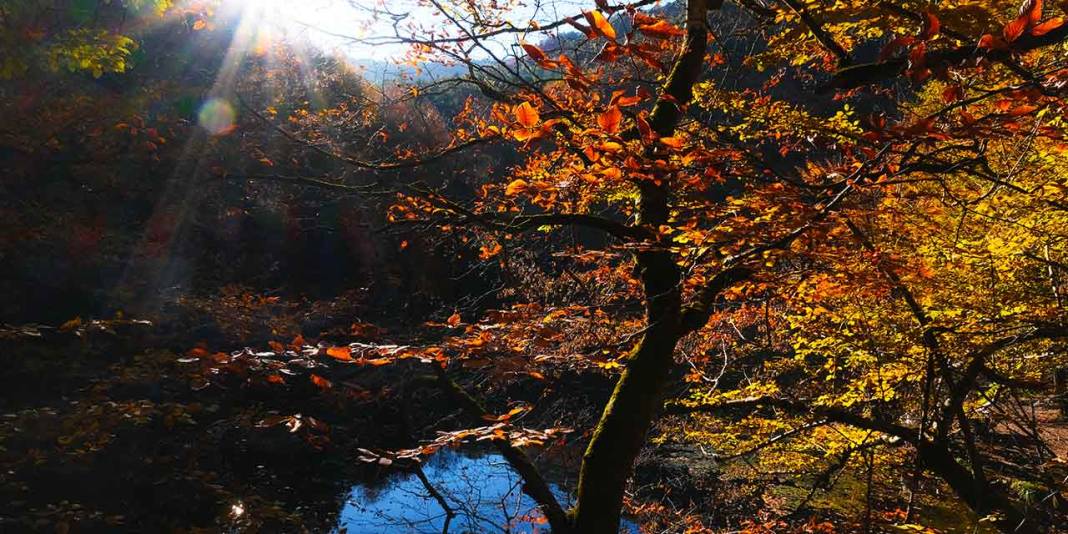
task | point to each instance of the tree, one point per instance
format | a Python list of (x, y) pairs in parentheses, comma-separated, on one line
[(913, 249)]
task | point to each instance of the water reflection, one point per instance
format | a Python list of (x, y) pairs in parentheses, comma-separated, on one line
[(483, 492)]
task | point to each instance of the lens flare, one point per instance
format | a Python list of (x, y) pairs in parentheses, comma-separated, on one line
[(217, 116)]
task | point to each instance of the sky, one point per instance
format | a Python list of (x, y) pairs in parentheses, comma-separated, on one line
[(331, 24)]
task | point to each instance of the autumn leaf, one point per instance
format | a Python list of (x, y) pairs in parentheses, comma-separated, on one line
[(340, 353), (454, 320), (526, 115), (298, 343), (609, 120), (601, 24), (662, 29), (1016, 28), (71, 325), (1032, 10), (515, 187), (1048, 26), (931, 26), (276, 346), (199, 25), (505, 417), (534, 52), (487, 252), (321, 382), (673, 142)]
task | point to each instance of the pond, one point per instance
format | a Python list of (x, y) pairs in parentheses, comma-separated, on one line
[(481, 489)]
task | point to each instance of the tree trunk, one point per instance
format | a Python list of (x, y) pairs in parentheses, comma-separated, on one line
[(983, 502), (621, 432)]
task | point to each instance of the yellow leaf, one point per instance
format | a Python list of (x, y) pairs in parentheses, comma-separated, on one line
[(517, 186)]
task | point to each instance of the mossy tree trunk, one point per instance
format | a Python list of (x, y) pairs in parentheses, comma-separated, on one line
[(621, 432)]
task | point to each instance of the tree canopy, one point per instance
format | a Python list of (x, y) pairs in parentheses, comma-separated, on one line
[(815, 238)]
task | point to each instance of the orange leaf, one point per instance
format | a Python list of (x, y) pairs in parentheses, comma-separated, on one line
[(1032, 10), (662, 29), (298, 342), (504, 417), (610, 119), (276, 346), (486, 253), (198, 352), (1022, 110), (340, 353), (1048, 26), (1015, 29), (454, 319), (624, 101), (199, 25), (321, 382), (534, 52), (526, 115), (601, 24), (71, 325), (517, 186), (673, 142), (276, 379)]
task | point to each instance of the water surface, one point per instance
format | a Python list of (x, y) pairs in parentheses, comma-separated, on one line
[(481, 489)]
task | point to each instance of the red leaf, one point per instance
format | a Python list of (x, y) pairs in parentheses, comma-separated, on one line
[(1032, 10), (1015, 29), (894, 45), (454, 319), (1048, 26), (931, 26)]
